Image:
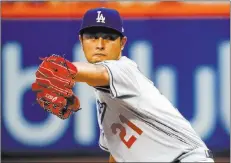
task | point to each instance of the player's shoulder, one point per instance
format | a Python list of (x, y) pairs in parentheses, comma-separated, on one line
[(123, 62), (126, 61)]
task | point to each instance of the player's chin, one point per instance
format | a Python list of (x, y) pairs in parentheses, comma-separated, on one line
[(98, 58)]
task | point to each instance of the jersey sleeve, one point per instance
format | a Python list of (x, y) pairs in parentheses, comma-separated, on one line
[(123, 81)]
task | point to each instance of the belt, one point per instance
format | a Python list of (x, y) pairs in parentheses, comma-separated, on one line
[(198, 153)]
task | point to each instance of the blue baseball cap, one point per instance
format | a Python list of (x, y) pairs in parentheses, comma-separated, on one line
[(102, 17)]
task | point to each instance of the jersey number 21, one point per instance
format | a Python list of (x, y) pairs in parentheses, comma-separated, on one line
[(122, 129)]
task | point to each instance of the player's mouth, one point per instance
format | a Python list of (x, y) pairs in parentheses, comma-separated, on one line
[(99, 54)]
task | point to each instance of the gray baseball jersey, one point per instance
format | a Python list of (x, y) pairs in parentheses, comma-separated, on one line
[(137, 123)]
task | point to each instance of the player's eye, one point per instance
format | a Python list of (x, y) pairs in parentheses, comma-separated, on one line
[(90, 36), (108, 37), (111, 37)]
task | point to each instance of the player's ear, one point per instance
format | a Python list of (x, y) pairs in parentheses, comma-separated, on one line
[(123, 42)]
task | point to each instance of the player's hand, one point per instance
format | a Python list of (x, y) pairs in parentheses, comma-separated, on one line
[(54, 84)]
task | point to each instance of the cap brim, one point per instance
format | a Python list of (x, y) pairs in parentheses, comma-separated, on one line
[(99, 26)]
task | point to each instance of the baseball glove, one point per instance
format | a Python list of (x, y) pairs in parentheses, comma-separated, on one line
[(53, 85)]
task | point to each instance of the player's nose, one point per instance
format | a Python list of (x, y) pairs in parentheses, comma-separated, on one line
[(100, 43)]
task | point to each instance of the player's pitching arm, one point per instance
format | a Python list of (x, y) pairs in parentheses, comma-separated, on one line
[(93, 75)]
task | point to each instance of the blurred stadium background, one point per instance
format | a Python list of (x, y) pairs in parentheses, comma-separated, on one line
[(183, 47)]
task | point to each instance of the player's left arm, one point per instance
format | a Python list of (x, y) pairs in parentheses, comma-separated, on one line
[(92, 74), (119, 75)]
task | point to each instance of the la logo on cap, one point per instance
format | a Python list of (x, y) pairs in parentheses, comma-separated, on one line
[(100, 17)]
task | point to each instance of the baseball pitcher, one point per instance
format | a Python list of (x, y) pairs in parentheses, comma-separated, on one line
[(137, 123)]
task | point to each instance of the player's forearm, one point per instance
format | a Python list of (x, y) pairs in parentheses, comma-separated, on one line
[(94, 75)]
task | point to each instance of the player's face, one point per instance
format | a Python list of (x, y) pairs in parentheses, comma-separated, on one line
[(99, 45)]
